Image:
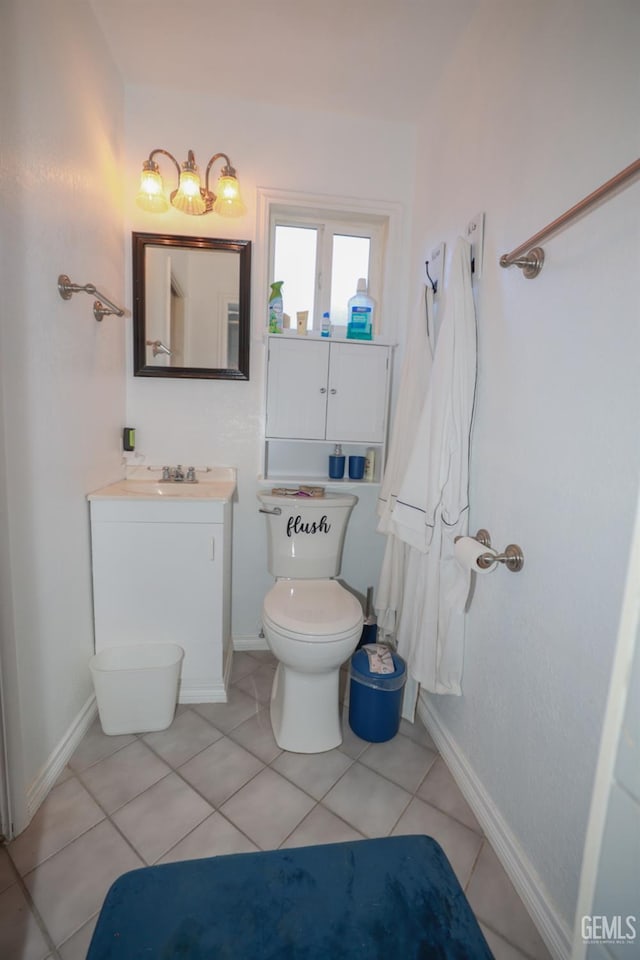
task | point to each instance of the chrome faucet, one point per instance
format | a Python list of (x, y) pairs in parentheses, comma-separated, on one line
[(177, 475)]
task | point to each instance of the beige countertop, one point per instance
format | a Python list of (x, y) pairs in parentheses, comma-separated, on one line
[(144, 483)]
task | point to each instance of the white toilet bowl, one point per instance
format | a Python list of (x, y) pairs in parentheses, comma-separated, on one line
[(312, 627)]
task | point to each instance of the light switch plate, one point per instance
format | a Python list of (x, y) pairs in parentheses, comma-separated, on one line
[(475, 236)]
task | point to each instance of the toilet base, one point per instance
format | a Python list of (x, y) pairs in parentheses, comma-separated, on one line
[(305, 710)]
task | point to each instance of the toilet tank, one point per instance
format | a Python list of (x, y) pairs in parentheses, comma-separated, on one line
[(305, 535)]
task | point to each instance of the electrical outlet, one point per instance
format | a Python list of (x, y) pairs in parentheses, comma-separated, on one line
[(475, 236)]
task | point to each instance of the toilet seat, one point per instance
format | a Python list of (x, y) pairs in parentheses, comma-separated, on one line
[(311, 611)]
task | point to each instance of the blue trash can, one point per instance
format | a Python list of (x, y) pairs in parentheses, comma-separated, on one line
[(375, 699)]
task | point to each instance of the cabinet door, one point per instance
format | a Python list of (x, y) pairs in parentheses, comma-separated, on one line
[(357, 401), (297, 389), (161, 582)]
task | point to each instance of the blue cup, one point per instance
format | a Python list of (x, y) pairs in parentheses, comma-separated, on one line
[(356, 468), (336, 467)]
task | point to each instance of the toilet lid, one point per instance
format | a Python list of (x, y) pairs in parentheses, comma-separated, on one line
[(320, 607)]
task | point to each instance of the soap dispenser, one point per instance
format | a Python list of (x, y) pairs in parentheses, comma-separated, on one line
[(336, 463)]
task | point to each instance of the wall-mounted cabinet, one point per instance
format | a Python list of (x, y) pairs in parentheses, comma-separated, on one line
[(321, 392)]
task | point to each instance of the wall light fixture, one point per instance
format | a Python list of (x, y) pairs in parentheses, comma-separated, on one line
[(189, 196)]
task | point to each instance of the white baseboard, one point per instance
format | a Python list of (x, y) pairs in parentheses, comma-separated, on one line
[(60, 756), (250, 643), (551, 927), (193, 692)]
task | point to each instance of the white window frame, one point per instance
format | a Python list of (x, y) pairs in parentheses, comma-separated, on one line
[(380, 220), (327, 228)]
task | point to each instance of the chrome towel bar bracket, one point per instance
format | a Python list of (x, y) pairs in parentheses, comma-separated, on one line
[(102, 307)]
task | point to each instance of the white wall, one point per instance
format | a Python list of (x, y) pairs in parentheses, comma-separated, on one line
[(539, 107), (218, 422), (62, 373)]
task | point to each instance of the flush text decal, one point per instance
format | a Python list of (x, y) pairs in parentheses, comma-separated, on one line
[(296, 525)]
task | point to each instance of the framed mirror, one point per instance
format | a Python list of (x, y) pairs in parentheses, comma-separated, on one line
[(191, 301)]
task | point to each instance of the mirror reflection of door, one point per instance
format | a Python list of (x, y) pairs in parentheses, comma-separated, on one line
[(176, 325), (189, 293)]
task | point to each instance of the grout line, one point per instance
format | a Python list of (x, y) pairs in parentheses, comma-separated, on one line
[(52, 949)]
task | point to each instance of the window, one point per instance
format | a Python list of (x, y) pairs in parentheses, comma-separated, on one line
[(320, 258)]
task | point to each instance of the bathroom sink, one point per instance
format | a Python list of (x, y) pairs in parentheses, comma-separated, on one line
[(216, 483)]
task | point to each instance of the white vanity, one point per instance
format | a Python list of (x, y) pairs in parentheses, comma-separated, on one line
[(161, 556)]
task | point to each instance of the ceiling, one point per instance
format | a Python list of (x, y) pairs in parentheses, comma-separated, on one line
[(373, 58)]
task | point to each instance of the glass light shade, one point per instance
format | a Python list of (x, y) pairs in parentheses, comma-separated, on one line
[(151, 193), (187, 197), (228, 200)]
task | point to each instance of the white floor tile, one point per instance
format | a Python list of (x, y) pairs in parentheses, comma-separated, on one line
[(460, 844), (500, 949), (401, 760), (70, 887), (75, 948), (225, 716), (7, 871), (367, 801), (417, 733), (256, 736), (321, 826), (351, 744), (188, 734), (314, 773), (258, 683), (122, 776), (95, 746), (20, 936), (214, 837), (65, 814), (161, 816), (268, 809), (495, 901), (220, 770), (243, 663), (441, 791)]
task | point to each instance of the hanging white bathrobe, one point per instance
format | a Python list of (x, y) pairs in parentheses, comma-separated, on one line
[(414, 379), (432, 504)]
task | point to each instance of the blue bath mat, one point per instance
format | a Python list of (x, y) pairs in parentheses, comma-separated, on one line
[(384, 899)]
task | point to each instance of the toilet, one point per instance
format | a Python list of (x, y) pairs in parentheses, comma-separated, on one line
[(311, 623)]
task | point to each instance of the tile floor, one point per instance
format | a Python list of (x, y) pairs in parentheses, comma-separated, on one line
[(216, 782)]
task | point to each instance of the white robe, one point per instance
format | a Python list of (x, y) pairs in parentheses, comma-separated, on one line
[(432, 504), (414, 378)]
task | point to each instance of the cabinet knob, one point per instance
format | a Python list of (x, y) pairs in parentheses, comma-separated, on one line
[(323, 389), (333, 390)]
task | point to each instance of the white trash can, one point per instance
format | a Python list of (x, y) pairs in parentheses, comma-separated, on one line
[(136, 686)]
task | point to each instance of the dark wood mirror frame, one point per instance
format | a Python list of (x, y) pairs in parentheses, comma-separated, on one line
[(141, 368)]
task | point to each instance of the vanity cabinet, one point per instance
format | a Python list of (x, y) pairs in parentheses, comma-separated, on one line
[(161, 573), (321, 392)]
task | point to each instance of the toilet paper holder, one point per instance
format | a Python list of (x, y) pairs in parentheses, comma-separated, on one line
[(512, 557)]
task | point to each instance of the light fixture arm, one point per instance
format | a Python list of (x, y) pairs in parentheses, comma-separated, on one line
[(227, 170), (171, 157)]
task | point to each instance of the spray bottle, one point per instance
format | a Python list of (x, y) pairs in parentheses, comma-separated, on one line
[(275, 307)]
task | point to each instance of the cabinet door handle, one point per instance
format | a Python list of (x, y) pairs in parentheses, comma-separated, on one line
[(323, 389), (333, 390), (212, 555)]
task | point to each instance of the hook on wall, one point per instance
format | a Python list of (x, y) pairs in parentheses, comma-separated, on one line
[(102, 307), (434, 283)]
